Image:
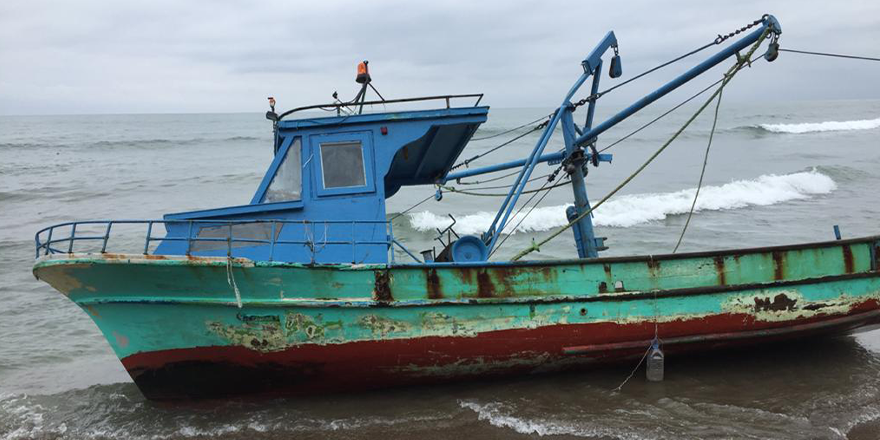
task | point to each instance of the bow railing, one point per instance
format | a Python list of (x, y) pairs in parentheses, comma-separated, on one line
[(95, 236)]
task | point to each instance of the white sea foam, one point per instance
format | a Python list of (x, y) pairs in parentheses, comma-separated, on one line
[(813, 127), (500, 416), (25, 417), (631, 210)]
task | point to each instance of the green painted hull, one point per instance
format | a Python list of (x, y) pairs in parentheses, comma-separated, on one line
[(181, 329)]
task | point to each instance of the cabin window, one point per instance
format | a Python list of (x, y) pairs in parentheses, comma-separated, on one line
[(342, 164), (287, 183)]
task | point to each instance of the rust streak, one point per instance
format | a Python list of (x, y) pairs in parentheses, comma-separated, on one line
[(548, 273), (466, 275), (719, 269), (93, 311), (778, 265), (877, 257), (848, 258), (504, 275), (485, 288), (435, 291), (382, 290)]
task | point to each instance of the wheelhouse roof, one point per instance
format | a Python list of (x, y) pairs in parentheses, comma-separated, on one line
[(435, 139)]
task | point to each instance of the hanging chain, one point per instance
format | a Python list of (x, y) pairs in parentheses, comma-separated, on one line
[(586, 100), (722, 38)]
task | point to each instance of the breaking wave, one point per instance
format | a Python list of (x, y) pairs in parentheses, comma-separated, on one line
[(636, 209), (815, 127)]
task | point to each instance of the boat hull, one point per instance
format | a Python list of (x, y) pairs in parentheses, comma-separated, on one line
[(222, 371), (181, 332)]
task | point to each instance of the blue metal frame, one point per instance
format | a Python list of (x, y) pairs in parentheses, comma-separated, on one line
[(586, 242), (590, 66), (711, 62)]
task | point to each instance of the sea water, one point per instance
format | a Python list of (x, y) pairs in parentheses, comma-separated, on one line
[(778, 173)]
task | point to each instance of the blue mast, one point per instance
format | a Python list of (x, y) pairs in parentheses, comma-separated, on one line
[(576, 140), (590, 65)]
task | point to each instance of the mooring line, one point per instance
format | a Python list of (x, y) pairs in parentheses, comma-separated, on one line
[(633, 372), (702, 173), (650, 345)]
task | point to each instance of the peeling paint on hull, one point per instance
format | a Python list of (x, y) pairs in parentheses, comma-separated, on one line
[(211, 372), (176, 325)]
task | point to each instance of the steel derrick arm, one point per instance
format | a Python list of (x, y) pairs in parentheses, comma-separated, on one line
[(577, 139)]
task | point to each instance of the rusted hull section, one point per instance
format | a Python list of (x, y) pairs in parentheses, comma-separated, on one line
[(193, 327), (214, 372)]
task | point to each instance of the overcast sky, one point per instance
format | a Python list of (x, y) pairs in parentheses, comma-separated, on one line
[(156, 56)]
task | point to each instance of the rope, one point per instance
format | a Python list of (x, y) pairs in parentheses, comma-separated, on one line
[(494, 179), (525, 216), (854, 57), (230, 279), (717, 41), (413, 207), (663, 115), (741, 62), (494, 149), (656, 313), (469, 193), (633, 372), (650, 345), (533, 179), (654, 69), (720, 39), (509, 131), (702, 173)]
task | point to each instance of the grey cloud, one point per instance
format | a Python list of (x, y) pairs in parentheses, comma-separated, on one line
[(165, 56)]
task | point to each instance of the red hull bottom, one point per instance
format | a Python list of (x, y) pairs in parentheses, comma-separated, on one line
[(223, 371)]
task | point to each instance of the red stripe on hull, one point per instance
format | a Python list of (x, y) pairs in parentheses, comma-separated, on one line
[(220, 371)]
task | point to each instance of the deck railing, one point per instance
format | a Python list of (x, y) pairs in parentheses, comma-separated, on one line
[(49, 242), (337, 106)]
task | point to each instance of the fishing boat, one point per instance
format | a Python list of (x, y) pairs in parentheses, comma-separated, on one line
[(306, 289)]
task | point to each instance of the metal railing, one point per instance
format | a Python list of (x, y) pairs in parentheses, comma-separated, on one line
[(47, 240), (340, 105)]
